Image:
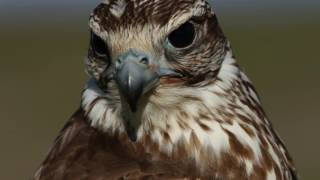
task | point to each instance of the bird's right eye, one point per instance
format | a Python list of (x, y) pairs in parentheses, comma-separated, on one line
[(183, 36), (98, 45)]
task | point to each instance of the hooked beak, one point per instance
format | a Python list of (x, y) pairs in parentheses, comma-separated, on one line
[(136, 74)]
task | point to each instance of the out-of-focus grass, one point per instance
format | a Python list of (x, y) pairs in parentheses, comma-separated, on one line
[(41, 75)]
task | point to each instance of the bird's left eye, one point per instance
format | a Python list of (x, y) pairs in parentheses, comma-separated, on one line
[(98, 45), (183, 36)]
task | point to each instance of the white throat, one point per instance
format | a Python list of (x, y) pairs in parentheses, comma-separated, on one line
[(104, 109), (192, 115)]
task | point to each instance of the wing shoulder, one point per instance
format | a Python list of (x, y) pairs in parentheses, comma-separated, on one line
[(68, 148), (81, 152)]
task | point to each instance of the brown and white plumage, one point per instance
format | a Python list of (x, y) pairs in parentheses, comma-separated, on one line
[(206, 122)]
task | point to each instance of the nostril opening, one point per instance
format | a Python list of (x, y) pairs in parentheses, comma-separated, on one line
[(144, 60), (119, 61)]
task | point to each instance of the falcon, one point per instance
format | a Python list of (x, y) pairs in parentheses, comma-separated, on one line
[(166, 100)]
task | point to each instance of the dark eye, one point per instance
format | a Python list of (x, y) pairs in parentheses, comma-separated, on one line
[(183, 36), (98, 45)]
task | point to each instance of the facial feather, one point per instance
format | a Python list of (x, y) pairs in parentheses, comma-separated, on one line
[(213, 120)]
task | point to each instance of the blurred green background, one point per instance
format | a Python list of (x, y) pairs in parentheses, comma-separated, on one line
[(43, 44)]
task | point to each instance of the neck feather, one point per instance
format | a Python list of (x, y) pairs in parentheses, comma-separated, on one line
[(184, 115), (219, 123)]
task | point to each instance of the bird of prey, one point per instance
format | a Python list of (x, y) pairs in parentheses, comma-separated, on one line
[(166, 100)]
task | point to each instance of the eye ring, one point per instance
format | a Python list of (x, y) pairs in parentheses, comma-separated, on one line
[(98, 46), (182, 37)]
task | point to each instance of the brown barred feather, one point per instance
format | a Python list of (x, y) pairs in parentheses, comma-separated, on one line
[(207, 124)]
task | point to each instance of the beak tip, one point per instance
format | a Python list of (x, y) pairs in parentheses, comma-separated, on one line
[(133, 106), (132, 134)]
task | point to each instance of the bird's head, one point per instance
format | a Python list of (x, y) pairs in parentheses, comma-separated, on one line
[(140, 48)]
